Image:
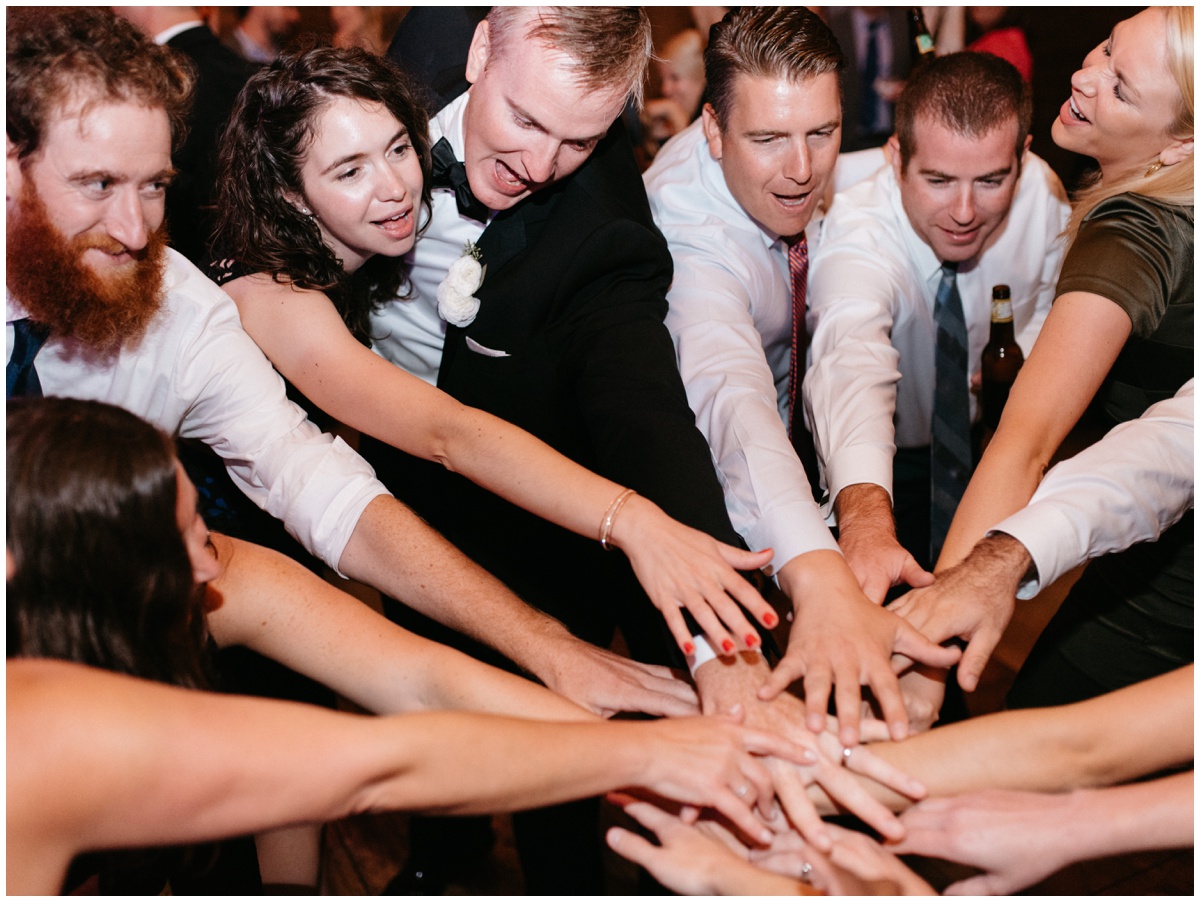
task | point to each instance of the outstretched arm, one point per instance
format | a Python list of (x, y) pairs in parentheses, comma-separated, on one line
[(1116, 737), (1079, 342), (305, 338), (1020, 838), (1129, 487), (99, 760), (269, 603)]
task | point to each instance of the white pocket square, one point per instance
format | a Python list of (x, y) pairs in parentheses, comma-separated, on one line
[(486, 352)]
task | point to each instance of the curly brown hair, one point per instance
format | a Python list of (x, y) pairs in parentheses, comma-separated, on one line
[(88, 55), (263, 151)]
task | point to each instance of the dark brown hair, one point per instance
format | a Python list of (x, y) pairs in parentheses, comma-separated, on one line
[(969, 93), (263, 151), (767, 41), (102, 572), (57, 55)]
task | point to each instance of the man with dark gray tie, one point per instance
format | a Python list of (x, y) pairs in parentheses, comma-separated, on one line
[(900, 301)]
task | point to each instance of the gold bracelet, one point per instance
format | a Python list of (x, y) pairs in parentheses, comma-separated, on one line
[(607, 523)]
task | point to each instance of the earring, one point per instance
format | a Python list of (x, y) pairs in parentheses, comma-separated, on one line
[(1154, 167), (304, 211)]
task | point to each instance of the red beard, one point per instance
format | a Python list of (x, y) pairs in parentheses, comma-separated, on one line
[(47, 276)]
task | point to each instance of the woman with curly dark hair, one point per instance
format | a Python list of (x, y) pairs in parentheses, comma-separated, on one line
[(324, 174)]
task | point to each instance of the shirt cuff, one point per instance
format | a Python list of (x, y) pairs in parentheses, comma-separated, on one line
[(1050, 539), (852, 466), (791, 531)]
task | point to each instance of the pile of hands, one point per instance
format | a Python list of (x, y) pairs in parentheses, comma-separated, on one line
[(765, 834)]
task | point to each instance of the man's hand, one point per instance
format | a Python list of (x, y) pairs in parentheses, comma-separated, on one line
[(840, 641), (867, 537), (1015, 838), (728, 683), (606, 683), (973, 600)]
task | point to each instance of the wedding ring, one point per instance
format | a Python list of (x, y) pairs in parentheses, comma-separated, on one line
[(846, 750), (806, 873), (741, 791)]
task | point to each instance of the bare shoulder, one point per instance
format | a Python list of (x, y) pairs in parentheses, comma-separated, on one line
[(261, 286)]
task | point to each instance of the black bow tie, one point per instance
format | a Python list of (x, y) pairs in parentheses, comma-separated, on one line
[(448, 172)]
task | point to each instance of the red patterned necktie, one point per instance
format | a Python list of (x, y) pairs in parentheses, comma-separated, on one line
[(798, 269), (802, 439)]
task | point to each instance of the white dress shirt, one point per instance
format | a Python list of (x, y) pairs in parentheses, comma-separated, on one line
[(408, 331), (196, 374), (1127, 488), (730, 317), (871, 293)]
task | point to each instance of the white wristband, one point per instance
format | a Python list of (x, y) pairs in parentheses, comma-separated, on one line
[(705, 653)]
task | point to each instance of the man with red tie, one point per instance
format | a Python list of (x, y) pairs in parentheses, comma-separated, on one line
[(734, 195)]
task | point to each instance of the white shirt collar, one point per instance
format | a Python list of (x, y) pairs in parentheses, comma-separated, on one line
[(13, 309), (167, 33)]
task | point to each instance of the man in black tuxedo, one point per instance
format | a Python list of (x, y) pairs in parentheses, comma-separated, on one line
[(220, 76), (567, 341)]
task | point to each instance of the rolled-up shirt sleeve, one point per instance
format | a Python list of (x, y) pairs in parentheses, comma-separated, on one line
[(315, 483), (1127, 488)]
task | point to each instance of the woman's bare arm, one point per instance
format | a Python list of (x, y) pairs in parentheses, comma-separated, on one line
[(268, 602), (303, 335), (1116, 737), (97, 760), (1075, 350)]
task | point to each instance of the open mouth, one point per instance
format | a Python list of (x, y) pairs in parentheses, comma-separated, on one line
[(508, 181), (793, 200), (1075, 114), (400, 223)]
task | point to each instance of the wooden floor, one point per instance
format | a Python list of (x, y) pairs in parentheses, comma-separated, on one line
[(362, 854)]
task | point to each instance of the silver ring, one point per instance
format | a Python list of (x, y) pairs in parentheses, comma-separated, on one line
[(742, 790), (846, 750), (806, 873)]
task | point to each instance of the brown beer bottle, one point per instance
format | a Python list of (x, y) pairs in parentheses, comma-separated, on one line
[(919, 39), (1002, 359)]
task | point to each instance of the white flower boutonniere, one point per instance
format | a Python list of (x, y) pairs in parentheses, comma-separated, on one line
[(457, 304)]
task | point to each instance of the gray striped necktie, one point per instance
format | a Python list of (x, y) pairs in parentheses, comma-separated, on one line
[(950, 464)]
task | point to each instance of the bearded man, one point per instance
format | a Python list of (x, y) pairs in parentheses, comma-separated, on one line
[(98, 308)]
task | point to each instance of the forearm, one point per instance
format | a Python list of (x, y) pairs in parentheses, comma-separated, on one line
[(478, 764), (1002, 484), (1113, 738), (1129, 487), (1081, 339), (395, 551), (1158, 814), (864, 513), (524, 470)]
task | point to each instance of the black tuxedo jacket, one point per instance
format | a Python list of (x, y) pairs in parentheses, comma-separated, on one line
[(220, 76), (575, 294)]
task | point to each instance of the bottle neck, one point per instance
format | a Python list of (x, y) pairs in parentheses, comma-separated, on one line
[(1002, 322)]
